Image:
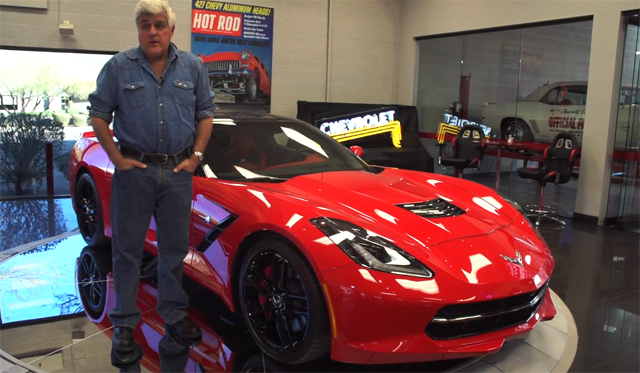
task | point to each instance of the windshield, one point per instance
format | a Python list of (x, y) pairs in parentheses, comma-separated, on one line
[(273, 150)]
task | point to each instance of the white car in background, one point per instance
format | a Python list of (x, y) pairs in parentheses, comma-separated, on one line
[(557, 107)]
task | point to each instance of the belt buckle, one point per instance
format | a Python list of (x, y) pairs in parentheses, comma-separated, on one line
[(166, 158)]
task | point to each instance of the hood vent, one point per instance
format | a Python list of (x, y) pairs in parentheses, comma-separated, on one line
[(436, 208)]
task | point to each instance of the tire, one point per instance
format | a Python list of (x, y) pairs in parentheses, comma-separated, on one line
[(251, 89), (93, 266), (287, 319), (89, 212), (261, 364), (519, 129)]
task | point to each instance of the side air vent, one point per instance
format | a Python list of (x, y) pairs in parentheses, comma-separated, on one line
[(436, 208)]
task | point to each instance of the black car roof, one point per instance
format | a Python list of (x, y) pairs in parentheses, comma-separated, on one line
[(249, 115)]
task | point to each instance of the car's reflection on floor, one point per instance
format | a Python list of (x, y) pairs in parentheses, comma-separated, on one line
[(225, 347), (226, 344)]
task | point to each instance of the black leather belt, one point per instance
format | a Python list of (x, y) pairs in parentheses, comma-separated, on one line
[(157, 158)]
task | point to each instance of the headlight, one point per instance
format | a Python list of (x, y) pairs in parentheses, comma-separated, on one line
[(524, 213), (370, 250), (516, 206), (244, 55)]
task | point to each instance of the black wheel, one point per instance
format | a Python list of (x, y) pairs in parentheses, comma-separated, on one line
[(517, 129), (251, 87), (282, 303), (92, 268), (89, 212), (261, 364)]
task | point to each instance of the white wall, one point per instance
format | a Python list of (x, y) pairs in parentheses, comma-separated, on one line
[(88, 355), (363, 51), (433, 17), (362, 43)]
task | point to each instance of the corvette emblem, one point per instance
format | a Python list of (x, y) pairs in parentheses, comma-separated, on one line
[(516, 260)]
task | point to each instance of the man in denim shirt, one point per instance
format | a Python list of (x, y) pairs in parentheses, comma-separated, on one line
[(157, 93)]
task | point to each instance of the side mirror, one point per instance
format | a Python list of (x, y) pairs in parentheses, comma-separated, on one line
[(357, 150)]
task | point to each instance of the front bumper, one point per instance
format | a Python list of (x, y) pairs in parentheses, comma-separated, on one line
[(232, 82), (381, 318)]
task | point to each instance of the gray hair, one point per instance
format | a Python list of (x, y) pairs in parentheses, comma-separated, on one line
[(154, 7)]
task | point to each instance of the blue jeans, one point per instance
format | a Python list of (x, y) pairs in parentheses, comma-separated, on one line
[(137, 195)]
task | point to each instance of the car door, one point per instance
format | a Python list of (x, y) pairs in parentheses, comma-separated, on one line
[(567, 108)]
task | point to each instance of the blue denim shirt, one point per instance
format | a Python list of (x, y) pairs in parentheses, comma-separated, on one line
[(153, 115)]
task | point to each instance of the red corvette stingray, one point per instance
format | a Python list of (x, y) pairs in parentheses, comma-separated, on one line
[(322, 254)]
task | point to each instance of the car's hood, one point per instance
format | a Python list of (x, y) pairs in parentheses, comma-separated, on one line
[(476, 246), (374, 201)]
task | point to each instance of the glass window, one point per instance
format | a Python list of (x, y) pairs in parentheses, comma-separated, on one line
[(528, 84), (566, 95), (49, 92), (272, 150)]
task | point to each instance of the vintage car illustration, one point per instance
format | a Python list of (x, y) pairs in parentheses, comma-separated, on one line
[(322, 255), (557, 107), (241, 74)]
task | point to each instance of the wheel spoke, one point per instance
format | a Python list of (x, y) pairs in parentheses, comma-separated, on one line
[(91, 227), (301, 313), (282, 265), (297, 297), (284, 332), (86, 265), (94, 270), (95, 293)]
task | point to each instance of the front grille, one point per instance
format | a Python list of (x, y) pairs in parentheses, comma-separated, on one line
[(436, 208), (464, 320), (222, 65)]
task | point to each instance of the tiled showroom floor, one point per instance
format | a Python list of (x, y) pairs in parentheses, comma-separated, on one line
[(596, 276)]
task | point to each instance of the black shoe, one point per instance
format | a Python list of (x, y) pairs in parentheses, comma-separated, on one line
[(123, 345), (186, 332), (122, 340)]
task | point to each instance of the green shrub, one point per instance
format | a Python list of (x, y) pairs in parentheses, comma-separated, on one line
[(79, 120), (22, 148), (61, 162), (63, 118)]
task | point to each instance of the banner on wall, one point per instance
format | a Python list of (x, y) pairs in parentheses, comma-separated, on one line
[(235, 43)]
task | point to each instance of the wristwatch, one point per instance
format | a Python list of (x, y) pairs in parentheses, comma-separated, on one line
[(200, 155)]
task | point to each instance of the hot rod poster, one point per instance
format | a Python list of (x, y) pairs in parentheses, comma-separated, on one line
[(234, 41)]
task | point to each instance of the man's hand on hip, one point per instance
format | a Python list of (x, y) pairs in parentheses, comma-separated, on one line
[(123, 163), (188, 164)]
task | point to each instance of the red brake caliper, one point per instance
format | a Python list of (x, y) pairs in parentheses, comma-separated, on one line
[(263, 299)]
